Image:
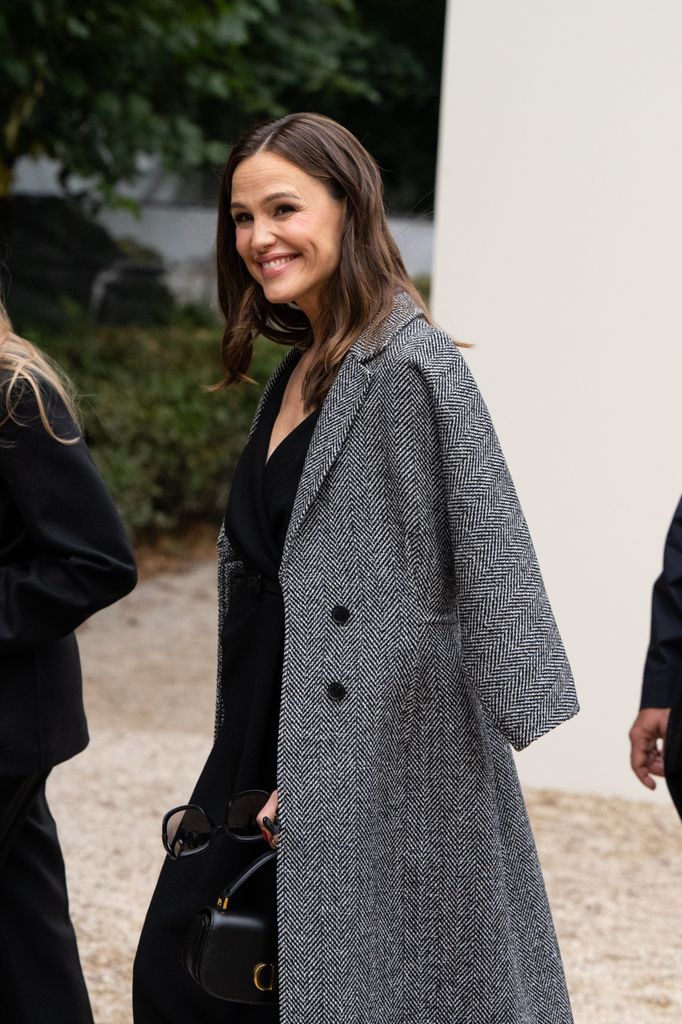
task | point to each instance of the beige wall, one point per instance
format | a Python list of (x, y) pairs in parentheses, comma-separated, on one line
[(559, 253)]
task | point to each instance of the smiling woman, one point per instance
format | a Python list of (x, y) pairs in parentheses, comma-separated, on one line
[(385, 636), (288, 229), (305, 191)]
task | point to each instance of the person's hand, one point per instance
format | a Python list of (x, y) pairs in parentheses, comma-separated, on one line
[(646, 755), (269, 810)]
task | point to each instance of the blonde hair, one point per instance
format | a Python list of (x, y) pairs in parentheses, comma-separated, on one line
[(23, 365)]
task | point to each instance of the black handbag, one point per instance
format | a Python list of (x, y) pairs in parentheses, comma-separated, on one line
[(231, 951)]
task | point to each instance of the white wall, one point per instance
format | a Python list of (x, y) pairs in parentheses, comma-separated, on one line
[(558, 251), (183, 232)]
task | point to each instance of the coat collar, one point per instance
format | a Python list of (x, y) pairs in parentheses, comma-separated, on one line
[(371, 342), (339, 409)]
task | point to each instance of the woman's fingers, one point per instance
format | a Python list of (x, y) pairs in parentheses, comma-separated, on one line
[(269, 810)]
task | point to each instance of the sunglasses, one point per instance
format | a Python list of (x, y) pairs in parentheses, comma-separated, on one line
[(188, 829)]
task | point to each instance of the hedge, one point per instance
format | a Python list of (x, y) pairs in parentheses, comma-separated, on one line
[(165, 446)]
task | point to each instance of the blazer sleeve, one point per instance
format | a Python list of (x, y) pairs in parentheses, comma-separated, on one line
[(76, 557), (512, 652), (663, 666)]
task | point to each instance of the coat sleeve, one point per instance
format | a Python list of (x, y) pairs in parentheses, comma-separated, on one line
[(512, 653), (72, 555), (663, 666)]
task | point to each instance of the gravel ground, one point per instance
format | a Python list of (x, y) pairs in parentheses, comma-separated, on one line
[(613, 867)]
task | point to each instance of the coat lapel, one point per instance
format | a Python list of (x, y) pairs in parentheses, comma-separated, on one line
[(336, 415), (339, 409)]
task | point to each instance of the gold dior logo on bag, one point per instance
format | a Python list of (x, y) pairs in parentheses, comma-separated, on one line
[(264, 977)]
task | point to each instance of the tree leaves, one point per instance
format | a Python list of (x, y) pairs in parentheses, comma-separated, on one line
[(97, 85)]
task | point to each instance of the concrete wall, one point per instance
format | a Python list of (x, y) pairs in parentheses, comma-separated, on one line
[(183, 232), (558, 252), (185, 237)]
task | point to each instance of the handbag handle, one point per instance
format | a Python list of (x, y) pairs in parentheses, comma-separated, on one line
[(243, 876)]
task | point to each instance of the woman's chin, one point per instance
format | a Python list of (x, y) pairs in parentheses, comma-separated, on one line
[(279, 296)]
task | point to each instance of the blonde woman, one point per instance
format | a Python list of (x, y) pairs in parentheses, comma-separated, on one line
[(64, 554)]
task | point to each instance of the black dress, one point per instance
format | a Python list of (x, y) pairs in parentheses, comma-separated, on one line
[(244, 753)]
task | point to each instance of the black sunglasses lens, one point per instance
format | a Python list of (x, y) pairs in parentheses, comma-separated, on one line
[(187, 831), (241, 816)]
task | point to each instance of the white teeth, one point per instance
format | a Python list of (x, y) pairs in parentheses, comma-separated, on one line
[(278, 263)]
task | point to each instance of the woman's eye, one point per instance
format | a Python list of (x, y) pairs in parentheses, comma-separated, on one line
[(242, 218), (285, 208)]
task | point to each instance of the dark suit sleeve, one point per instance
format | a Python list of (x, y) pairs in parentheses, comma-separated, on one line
[(75, 554), (663, 667)]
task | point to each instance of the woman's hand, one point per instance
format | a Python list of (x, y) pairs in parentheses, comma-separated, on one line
[(269, 810)]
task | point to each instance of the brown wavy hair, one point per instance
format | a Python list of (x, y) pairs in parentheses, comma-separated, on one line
[(23, 366), (362, 290)]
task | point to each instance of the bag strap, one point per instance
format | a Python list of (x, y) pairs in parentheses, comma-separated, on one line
[(243, 876)]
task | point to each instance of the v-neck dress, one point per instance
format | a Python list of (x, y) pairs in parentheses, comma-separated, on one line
[(258, 513), (244, 754)]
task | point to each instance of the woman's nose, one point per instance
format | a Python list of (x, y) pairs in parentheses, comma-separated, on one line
[(262, 234)]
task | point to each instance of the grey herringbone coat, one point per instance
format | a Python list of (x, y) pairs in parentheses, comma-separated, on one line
[(409, 890)]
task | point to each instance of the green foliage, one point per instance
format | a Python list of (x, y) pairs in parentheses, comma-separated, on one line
[(381, 79), (422, 283), (97, 85), (166, 447), (398, 54), (404, 52)]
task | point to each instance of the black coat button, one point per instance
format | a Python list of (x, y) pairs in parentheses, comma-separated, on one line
[(337, 691), (340, 614)]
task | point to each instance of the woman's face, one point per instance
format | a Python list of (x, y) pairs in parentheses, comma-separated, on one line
[(288, 229)]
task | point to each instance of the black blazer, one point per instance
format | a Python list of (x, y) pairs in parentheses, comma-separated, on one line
[(64, 554), (663, 667)]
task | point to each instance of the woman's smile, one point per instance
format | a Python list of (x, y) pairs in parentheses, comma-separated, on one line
[(274, 266), (288, 230)]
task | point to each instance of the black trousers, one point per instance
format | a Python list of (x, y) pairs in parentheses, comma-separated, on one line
[(673, 752), (40, 973)]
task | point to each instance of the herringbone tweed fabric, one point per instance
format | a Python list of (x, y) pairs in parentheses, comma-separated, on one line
[(409, 889)]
